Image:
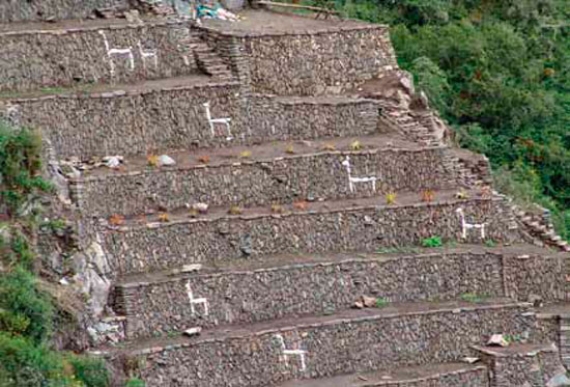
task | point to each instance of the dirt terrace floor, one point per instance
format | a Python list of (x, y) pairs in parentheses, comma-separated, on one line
[(267, 22)]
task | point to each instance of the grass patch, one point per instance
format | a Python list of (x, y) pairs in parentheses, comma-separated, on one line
[(474, 298)]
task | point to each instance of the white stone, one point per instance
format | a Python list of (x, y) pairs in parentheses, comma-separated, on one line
[(166, 161), (498, 340), (191, 268), (193, 331), (200, 207), (112, 161)]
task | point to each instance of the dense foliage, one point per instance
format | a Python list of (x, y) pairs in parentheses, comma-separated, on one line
[(27, 313), (499, 72)]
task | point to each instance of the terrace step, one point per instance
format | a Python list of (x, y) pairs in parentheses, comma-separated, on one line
[(151, 116), (353, 341), (432, 375), (275, 173), (522, 364), (210, 62), (148, 244), (18, 11), (253, 290), (73, 53)]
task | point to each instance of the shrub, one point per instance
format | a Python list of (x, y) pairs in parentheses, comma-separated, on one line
[(20, 165), (434, 241), (91, 371), (21, 301), (26, 364)]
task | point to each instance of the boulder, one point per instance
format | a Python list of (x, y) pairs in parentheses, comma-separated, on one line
[(559, 380)]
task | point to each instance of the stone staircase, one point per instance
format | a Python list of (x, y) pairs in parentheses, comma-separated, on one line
[(288, 245), (210, 62)]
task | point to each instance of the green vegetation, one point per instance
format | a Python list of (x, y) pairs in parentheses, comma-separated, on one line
[(134, 382), (19, 169), (434, 241), (490, 243), (381, 302), (513, 338), (474, 297), (499, 72), (26, 312)]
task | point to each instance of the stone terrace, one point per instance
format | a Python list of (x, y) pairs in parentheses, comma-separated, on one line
[(308, 173)]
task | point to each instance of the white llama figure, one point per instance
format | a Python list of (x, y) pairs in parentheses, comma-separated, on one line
[(291, 352), (468, 226), (214, 121), (352, 180), (194, 301), (148, 54), (121, 52)]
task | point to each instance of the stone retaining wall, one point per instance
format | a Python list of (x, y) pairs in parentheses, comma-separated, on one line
[(308, 62), (360, 228), (341, 347), (243, 296), (148, 120), (126, 123), (536, 275), (531, 367), (263, 182), (70, 57), (549, 328), (308, 117), (20, 10)]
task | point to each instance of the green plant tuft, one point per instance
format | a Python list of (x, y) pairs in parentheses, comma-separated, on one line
[(381, 302), (135, 382), (434, 241)]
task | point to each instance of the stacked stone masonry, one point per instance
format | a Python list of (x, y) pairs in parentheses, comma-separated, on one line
[(325, 285), (145, 93), (157, 246), (77, 55), (263, 182), (308, 62), (33, 10), (140, 121), (522, 365), (384, 340)]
